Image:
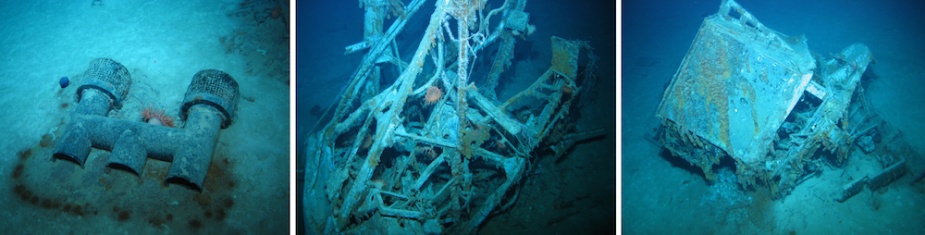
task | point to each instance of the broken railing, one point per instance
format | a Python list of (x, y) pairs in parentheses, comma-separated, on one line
[(435, 151)]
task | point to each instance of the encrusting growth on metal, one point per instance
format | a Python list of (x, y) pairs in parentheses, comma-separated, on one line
[(442, 151), (757, 97)]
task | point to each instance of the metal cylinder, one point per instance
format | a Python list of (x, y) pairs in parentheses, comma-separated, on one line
[(131, 142), (74, 145), (214, 88), (109, 77), (76, 142)]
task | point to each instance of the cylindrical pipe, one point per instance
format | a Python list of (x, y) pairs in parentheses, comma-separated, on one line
[(109, 77), (107, 83), (75, 144), (129, 153), (104, 132), (373, 20), (208, 106), (94, 102), (190, 164), (189, 149), (215, 88)]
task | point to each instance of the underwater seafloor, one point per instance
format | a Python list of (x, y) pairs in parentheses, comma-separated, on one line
[(661, 195), (162, 44), (572, 194)]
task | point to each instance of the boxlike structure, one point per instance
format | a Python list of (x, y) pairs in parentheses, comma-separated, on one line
[(759, 97)]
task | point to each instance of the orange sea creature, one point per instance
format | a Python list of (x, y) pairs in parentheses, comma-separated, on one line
[(156, 117), (433, 95)]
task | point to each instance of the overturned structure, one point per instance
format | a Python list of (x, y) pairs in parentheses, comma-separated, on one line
[(435, 151), (759, 97)]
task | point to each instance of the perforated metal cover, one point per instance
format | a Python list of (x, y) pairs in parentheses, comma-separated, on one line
[(215, 88)]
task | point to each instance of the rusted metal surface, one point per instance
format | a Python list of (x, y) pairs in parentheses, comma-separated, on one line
[(757, 96)]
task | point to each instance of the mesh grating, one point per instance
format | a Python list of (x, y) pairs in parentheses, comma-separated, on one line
[(215, 88)]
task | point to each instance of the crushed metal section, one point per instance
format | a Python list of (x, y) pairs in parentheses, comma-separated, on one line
[(759, 97)]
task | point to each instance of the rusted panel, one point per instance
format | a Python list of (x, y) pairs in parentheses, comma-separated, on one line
[(565, 57)]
